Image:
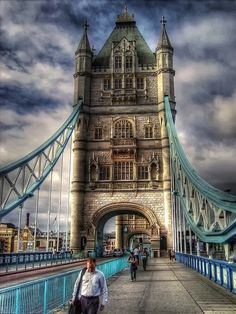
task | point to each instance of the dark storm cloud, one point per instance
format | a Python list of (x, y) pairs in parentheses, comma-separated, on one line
[(23, 99)]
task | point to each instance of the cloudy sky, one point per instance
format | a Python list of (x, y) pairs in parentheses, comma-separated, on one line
[(38, 41)]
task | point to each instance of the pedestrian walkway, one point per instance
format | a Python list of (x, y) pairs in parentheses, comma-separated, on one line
[(167, 287)]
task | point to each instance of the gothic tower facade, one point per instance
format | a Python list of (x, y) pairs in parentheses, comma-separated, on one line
[(120, 144)]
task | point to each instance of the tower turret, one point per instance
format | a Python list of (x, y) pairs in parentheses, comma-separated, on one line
[(165, 86), (82, 88), (165, 72), (82, 76)]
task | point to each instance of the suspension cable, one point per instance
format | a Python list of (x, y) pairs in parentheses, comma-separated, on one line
[(36, 218), (49, 211)]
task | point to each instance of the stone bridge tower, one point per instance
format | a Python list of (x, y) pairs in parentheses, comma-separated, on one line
[(120, 144)]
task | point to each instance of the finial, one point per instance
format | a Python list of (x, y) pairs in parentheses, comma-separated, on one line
[(126, 8), (86, 25), (163, 21)]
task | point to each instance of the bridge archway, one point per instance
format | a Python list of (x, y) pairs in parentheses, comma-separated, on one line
[(103, 214), (138, 232)]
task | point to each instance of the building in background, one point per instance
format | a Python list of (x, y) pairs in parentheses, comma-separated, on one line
[(8, 232), (9, 238)]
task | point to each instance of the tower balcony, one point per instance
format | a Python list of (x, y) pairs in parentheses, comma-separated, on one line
[(119, 95), (124, 95), (123, 143)]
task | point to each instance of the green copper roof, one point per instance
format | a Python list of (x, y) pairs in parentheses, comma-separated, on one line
[(125, 27)]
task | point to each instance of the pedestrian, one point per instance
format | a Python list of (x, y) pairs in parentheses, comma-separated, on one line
[(93, 294), (133, 266), (136, 255), (170, 254), (144, 256)]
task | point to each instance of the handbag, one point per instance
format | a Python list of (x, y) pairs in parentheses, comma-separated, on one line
[(76, 307)]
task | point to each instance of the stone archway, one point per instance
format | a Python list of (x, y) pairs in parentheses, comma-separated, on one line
[(135, 233), (100, 217)]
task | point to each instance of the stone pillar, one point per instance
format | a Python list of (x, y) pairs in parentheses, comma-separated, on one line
[(119, 231), (155, 242), (77, 186), (166, 180)]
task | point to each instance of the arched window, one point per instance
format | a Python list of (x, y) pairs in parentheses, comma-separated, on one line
[(129, 83), (128, 62), (104, 172), (118, 83), (140, 83), (107, 84), (123, 129), (143, 172), (148, 132), (98, 133), (118, 62), (154, 172), (123, 170), (93, 173)]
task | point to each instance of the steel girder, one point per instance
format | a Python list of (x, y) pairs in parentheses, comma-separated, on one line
[(20, 179), (210, 212)]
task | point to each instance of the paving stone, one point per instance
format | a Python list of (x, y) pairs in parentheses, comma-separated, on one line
[(166, 288)]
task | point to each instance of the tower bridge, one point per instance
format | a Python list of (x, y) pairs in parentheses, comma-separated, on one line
[(127, 163), (127, 159)]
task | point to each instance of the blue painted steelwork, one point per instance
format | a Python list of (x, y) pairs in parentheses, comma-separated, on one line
[(11, 263), (45, 295), (210, 213), (221, 272), (28, 257), (20, 179)]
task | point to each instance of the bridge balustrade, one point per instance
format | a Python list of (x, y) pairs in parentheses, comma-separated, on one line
[(26, 257), (221, 272), (48, 294), (16, 261)]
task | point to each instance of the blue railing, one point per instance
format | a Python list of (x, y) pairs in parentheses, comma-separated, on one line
[(14, 262), (221, 272), (45, 295), (27, 257)]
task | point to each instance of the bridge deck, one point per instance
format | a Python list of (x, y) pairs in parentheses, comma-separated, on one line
[(167, 287)]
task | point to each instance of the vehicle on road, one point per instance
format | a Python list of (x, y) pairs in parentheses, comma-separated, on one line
[(117, 252)]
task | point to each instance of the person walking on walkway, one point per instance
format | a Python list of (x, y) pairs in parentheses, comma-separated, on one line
[(133, 266), (136, 255), (93, 289), (144, 256)]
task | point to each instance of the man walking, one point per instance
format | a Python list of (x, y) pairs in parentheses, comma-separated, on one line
[(133, 266), (136, 255), (93, 288)]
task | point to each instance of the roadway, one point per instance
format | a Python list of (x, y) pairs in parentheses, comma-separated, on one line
[(21, 276)]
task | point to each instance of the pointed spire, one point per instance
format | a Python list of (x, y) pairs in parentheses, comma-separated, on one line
[(125, 17), (164, 41), (84, 45)]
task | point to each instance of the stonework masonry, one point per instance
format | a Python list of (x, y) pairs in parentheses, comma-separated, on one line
[(120, 145)]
